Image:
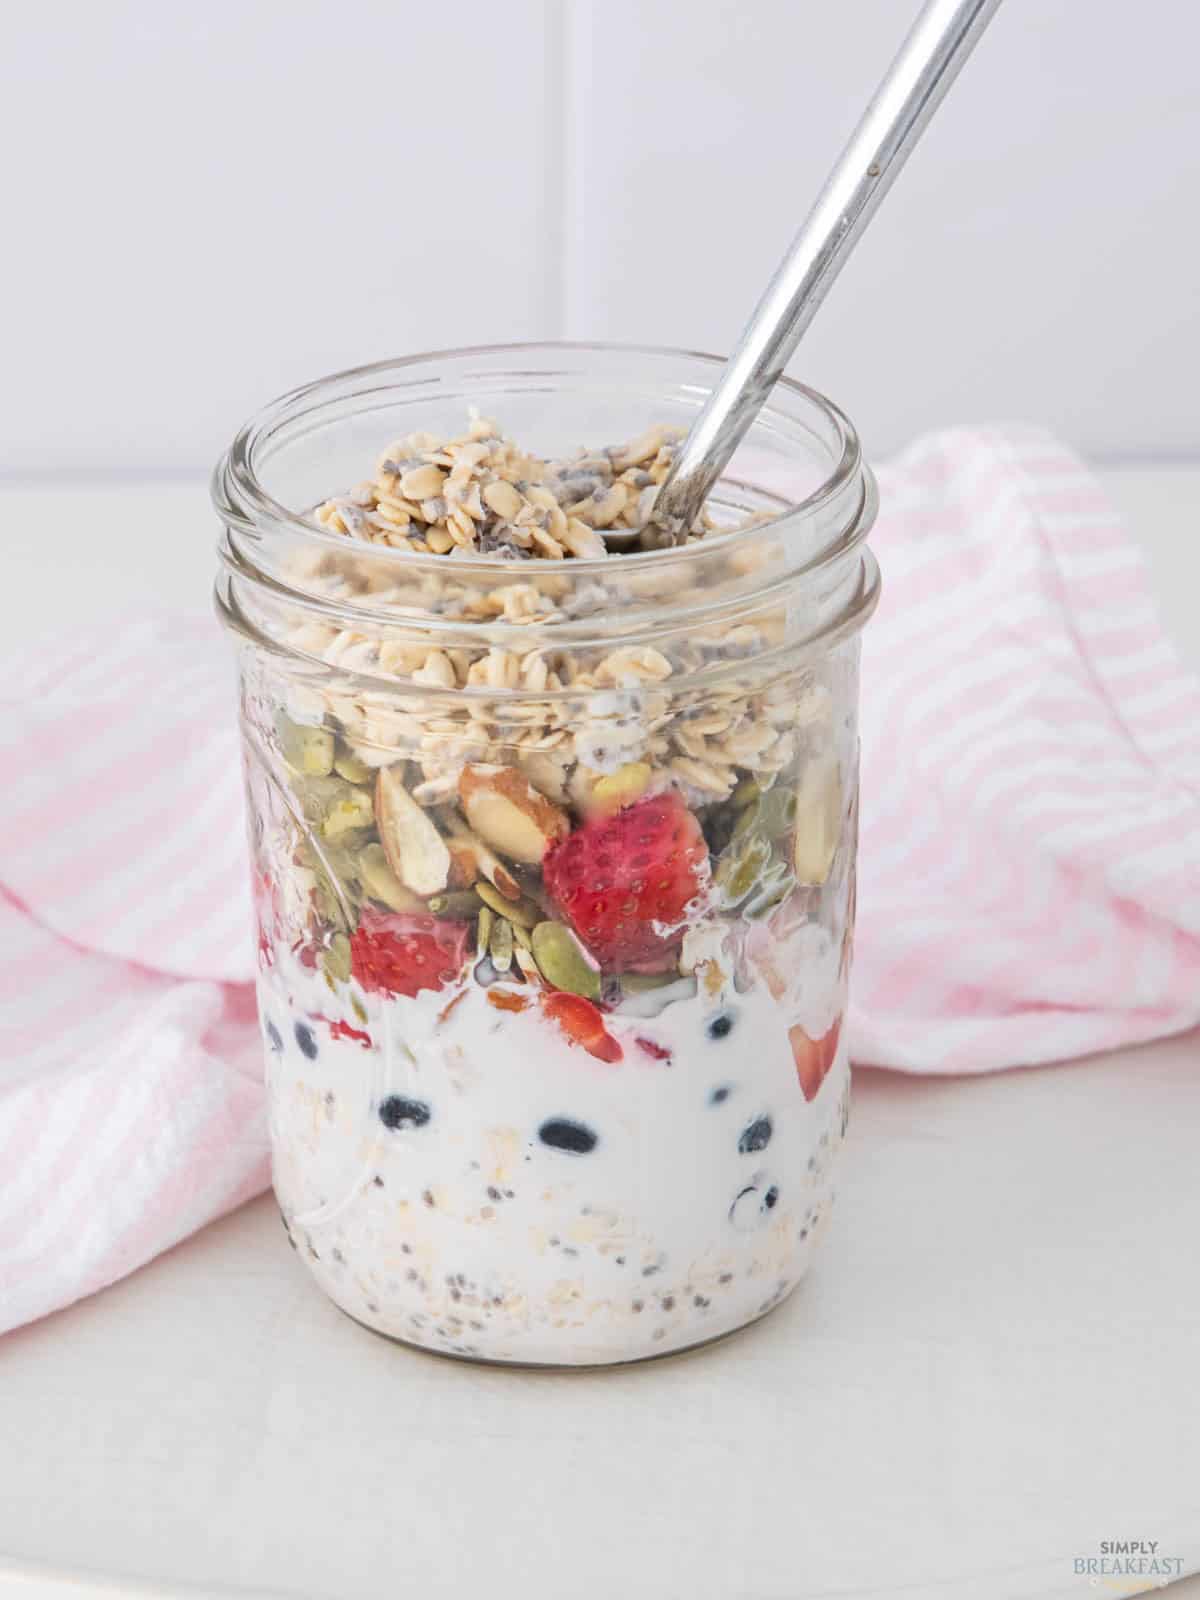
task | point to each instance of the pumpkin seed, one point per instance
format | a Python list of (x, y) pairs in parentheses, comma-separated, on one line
[(317, 796), (335, 892), (740, 867), (347, 765), (529, 967), (523, 937), (776, 883), (353, 812), (483, 932), (381, 883), (500, 945), (327, 905), (777, 812), (653, 1002), (747, 818), (643, 982), (306, 750), (335, 962), (562, 962), (746, 791), (520, 911), (459, 903)]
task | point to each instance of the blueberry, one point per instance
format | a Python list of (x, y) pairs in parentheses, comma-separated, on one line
[(721, 1025), (719, 1095), (562, 1134), (397, 1112), (307, 1040), (274, 1038), (770, 1199), (757, 1136)]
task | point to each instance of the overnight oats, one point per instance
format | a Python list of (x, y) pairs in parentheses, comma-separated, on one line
[(553, 842)]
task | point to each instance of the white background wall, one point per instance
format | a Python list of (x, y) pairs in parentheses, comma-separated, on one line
[(209, 202)]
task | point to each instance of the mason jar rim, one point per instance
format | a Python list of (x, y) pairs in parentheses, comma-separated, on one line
[(246, 508), (250, 505)]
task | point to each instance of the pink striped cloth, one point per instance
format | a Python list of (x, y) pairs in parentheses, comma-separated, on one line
[(1029, 883)]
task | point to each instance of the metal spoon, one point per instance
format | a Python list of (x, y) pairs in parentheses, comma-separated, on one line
[(941, 39)]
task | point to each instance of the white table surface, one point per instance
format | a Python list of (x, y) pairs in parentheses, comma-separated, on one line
[(991, 1369)]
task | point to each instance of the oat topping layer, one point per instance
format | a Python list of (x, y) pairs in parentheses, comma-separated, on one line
[(481, 494)]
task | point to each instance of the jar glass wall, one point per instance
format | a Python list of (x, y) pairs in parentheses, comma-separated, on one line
[(554, 866)]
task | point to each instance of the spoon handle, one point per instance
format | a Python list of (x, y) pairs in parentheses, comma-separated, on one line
[(929, 60)]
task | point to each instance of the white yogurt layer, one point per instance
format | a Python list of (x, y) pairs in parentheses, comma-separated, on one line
[(531, 1203)]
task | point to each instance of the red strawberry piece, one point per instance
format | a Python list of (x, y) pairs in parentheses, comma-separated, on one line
[(656, 1051), (342, 1030), (583, 1023), (403, 953), (813, 1057), (615, 877)]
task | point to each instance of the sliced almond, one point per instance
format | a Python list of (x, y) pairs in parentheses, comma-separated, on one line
[(415, 850), (464, 863), (509, 814), (471, 859)]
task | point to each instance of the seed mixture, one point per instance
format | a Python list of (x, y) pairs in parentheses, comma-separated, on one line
[(480, 494), (540, 921)]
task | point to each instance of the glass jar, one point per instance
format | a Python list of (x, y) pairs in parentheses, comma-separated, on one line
[(554, 867)]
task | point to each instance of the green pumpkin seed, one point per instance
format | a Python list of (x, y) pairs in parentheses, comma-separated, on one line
[(306, 750), (381, 883), (483, 933), (562, 962), (335, 889), (519, 911), (741, 866), (523, 936), (335, 962), (746, 791), (348, 766), (776, 883), (644, 982), (777, 812), (317, 796), (353, 812), (747, 819), (500, 945), (462, 903)]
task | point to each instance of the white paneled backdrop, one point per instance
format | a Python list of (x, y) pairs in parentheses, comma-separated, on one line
[(211, 200)]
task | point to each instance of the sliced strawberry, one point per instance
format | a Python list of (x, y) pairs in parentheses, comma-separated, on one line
[(506, 1000), (583, 1023), (813, 1057), (624, 882), (403, 953), (342, 1030), (656, 1051)]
